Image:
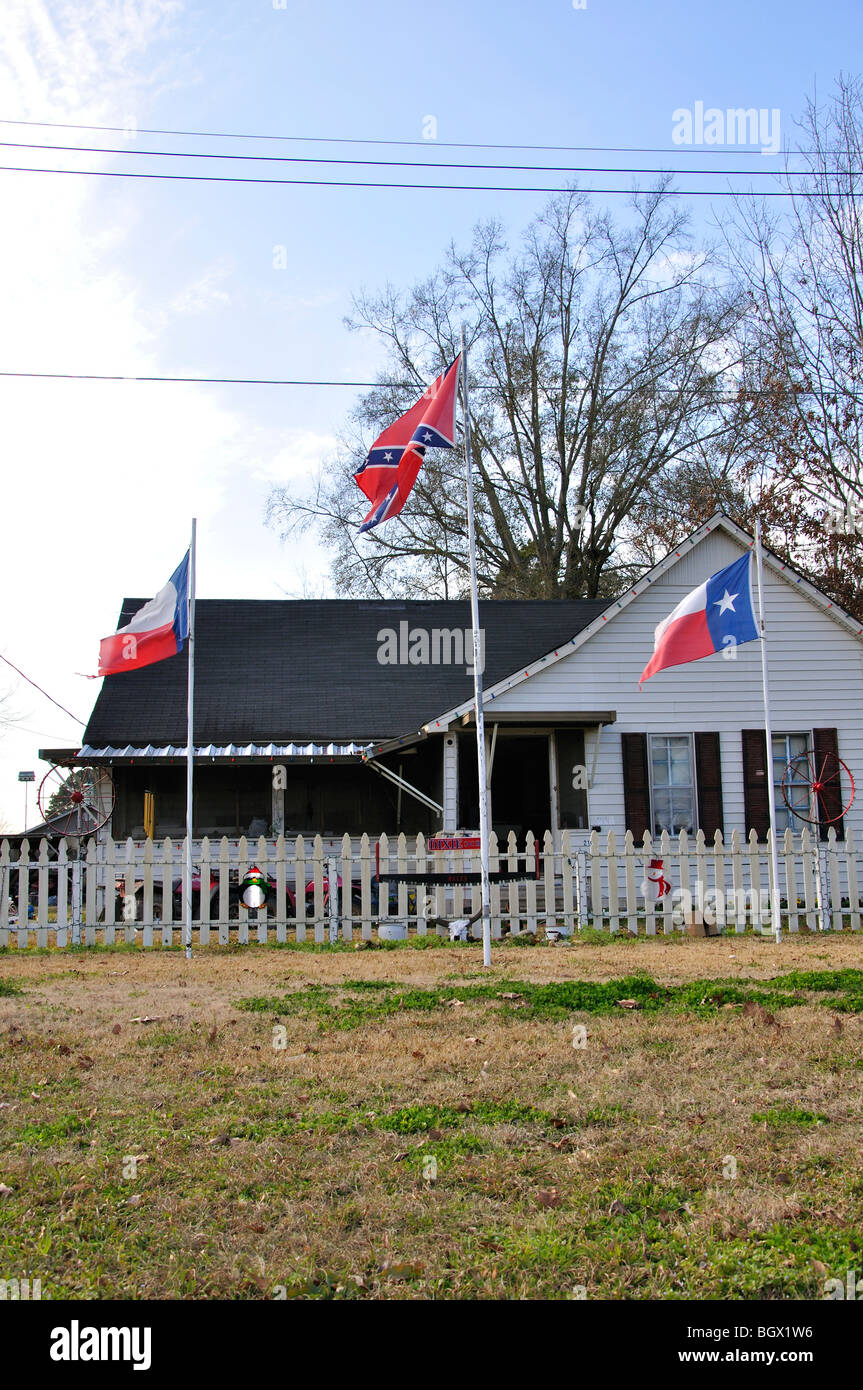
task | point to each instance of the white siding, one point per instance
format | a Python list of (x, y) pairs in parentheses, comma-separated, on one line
[(815, 668)]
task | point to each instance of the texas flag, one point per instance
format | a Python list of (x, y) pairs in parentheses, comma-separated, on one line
[(158, 630), (394, 460), (717, 615)]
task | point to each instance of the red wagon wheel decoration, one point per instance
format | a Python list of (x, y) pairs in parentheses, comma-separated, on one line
[(820, 778), (76, 801)]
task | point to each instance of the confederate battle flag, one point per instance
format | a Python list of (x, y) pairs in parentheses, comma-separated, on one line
[(394, 460)]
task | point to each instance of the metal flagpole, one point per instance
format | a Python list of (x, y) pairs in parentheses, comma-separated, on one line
[(190, 749), (768, 733), (477, 673)]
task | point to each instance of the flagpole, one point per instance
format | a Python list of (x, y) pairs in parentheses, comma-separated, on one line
[(190, 749), (768, 734), (477, 673)]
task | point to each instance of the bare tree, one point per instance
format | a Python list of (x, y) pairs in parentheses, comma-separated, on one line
[(597, 354), (803, 346)]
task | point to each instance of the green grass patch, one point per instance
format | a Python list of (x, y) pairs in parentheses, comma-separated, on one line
[(783, 1115), (53, 1131), (355, 1002), (8, 987)]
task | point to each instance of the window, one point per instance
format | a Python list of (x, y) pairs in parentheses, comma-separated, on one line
[(672, 784), (787, 747)]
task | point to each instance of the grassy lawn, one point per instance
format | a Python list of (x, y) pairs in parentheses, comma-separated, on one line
[(400, 1123)]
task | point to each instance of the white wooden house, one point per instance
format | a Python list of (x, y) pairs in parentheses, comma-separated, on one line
[(376, 733)]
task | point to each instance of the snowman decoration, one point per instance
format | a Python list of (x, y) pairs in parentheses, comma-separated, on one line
[(655, 885)]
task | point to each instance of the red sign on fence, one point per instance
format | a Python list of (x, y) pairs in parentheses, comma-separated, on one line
[(441, 842)]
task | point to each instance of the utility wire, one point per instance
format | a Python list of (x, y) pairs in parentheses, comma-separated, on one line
[(285, 381), (41, 691), (416, 163), (423, 144), (428, 187)]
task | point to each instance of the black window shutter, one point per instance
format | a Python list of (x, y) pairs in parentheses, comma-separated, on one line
[(708, 778), (824, 743), (636, 786), (755, 773)]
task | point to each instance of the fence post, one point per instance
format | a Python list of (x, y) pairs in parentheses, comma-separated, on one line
[(147, 905), (42, 909), (421, 889), (318, 871), (281, 890), (613, 883), (263, 912), (4, 892), (206, 874), (366, 887), (300, 888), (23, 898), (92, 870), (129, 894), (224, 892), (719, 880), (346, 904), (110, 901), (567, 907), (790, 879), (62, 896), (550, 894), (530, 886), (851, 865), (167, 890)]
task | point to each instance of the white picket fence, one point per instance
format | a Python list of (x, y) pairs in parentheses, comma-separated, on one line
[(135, 892)]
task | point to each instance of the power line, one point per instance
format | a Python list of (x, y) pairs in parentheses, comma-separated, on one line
[(414, 163), (133, 132), (41, 691), (287, 381), (427, 187)]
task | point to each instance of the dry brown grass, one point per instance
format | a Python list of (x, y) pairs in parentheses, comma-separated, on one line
[(557, 1167)]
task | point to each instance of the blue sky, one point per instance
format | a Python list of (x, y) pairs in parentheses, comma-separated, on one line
[(140, 277)]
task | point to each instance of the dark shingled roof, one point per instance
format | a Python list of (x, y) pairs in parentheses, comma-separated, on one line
[(284, 669)]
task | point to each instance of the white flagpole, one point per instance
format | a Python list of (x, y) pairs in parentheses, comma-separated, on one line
[(190, 750), (477, 673), (768, 733)]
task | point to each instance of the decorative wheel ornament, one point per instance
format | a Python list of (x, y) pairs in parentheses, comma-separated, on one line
[(809, 781), (78, 800)]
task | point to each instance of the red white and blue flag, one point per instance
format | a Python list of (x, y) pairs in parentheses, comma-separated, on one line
[(158, 630), (394, 460), (717, 615)]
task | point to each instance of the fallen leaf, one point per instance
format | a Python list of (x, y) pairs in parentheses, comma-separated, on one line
[(399, 1270), (463, 1108), (548, 1197), (435, 1134), (617, 1209), (134, 1201), (455, 1003), (64, 1050), (85, 1063), (5, 1191), (628, 1004), (213, 1033), (116, 1029), (751, 1009), (418, 1055), (146, 1018), (819, 1269), (837, 1025), (510, 995), (474, 1041), (313, 1050)]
